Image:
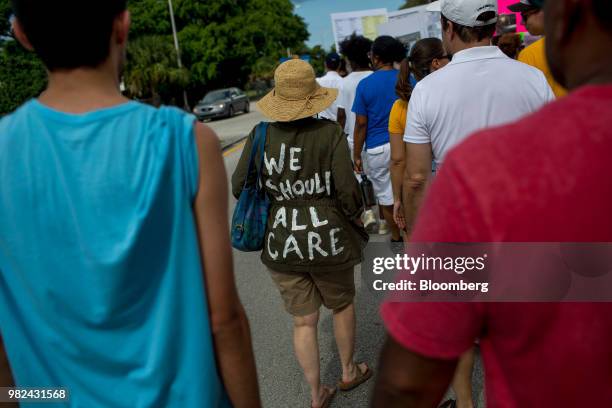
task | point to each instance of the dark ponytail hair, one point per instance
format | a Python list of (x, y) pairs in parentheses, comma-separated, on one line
[(403, 88), (422, 54), (419, 64)]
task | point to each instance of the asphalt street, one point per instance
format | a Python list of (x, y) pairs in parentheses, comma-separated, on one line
[(280, 378), (232, 130)]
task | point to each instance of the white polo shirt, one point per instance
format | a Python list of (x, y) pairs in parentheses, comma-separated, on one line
[(481, 87), (346, 98), (330, 80)]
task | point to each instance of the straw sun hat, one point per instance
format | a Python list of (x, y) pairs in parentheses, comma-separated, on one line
[(297, 94)]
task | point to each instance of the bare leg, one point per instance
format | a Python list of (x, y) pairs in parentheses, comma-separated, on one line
[(306, 346), (387, 211), (462, 382), (344, 331)]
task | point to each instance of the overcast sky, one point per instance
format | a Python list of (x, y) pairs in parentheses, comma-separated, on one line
[(316, 13)]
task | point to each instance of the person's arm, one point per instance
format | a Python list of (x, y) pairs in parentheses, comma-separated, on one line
[(347, 188), (360, 109), (397, 126), (439, 332), (416, 176), (6, 376), (242, 168), (359, 137), (342, 106), (398, 164), (342, 118), (407, 379), (418, 156), (230, 327)]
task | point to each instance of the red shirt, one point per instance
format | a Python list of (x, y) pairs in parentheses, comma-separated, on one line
[(547, 178)]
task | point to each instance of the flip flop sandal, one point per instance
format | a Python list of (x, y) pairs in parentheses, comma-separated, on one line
[(329, 396), (360, 379)]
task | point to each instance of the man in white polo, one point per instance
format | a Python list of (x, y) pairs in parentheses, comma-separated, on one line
[(481, 87)]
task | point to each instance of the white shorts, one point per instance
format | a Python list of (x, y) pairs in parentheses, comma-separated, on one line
[(378, 171)]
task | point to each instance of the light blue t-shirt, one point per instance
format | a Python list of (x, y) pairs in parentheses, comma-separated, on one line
[(374, 98), (101, 287)]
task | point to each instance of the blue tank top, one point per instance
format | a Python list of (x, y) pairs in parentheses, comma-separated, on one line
[(101, 288)]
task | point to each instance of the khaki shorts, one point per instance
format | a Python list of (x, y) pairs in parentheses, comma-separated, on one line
[(304, 293)]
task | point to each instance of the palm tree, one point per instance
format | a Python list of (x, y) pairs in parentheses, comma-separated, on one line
[(152, 69)]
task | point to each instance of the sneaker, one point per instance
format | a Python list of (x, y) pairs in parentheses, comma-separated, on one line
[(369, 221), (383, 228)]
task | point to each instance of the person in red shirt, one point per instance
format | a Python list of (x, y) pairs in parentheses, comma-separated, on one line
[(545, 178)]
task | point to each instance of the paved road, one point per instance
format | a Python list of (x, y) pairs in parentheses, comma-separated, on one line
[(280, 378), (234, 129)]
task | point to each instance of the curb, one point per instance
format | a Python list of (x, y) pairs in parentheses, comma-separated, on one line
[(234, 143)]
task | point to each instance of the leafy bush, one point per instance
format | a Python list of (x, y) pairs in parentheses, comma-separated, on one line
[(22, 76)]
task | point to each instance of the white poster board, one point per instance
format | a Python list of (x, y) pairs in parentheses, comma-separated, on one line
[(411, 25), (364, 22)]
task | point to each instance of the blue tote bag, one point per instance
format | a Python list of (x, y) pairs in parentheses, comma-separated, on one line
[(251, 213)]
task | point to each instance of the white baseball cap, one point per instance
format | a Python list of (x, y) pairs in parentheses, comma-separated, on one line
[(465, 12)]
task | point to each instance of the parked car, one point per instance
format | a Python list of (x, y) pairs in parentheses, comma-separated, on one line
[(222, 103)]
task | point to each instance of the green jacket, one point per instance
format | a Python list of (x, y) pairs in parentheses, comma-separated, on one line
[(315, 197)]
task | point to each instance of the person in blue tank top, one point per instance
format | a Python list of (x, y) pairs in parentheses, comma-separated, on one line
[(116, 276)]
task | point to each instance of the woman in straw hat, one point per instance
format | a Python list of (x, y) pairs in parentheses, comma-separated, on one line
[(314, 237)]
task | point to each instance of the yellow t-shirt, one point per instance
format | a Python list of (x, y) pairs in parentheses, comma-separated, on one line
[(397, 118), (535, 55)]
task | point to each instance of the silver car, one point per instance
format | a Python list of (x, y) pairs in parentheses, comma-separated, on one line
[(222, 103)]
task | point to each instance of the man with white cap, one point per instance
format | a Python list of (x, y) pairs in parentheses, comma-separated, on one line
[(481, 87)]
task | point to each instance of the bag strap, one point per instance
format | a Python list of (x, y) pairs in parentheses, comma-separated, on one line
[(259, 143), (263, 132)]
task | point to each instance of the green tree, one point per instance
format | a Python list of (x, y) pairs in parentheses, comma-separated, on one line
[(22, 76), (5, 13), (317, 59), (317, 56), (152, 71), (414, 3), (149, 17), (225, 42)]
